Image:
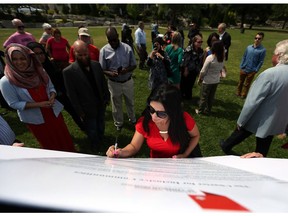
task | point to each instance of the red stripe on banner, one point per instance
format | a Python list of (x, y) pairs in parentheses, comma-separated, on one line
[(213, 201)]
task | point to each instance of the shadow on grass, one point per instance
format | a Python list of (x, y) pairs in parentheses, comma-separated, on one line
[(229, 82), (226, 110), (220, 109)]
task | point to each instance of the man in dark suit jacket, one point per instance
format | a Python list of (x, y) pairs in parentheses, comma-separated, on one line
[(88, 92), (225, 37)]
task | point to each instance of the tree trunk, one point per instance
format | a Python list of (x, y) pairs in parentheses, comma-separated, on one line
[(284, 24)]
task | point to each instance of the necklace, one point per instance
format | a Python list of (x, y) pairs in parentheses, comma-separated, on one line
[(163, 132)]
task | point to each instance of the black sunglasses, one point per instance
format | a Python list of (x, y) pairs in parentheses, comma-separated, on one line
[(258, 38), (160, 114), (20, 27)]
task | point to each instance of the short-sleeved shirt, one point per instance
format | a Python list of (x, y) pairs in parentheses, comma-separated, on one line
[(58, 49), (44, 37), (159, 148), (111, 59), (18, 38), (93, 53)]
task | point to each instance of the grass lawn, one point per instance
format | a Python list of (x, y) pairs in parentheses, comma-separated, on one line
[(212, 128)]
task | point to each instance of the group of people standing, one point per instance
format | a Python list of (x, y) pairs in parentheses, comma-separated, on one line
[(182, 66), (209, 65), (43, 78)]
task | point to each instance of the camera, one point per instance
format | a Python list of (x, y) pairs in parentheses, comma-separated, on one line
[(119, 69), (155, 46)]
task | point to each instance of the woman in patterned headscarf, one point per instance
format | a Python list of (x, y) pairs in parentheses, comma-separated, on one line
[(28, 89)]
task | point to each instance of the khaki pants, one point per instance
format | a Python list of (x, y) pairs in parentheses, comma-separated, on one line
[(207, 97), (117, 90), (245, 82)]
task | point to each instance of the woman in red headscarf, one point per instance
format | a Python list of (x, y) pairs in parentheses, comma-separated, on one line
[(28, 89)]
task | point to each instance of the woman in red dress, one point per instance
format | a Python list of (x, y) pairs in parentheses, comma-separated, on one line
[(27, 88)]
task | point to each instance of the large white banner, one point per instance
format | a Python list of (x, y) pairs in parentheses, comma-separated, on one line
[(87, 183)]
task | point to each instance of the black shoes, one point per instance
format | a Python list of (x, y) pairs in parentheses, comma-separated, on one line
[(225, 150)]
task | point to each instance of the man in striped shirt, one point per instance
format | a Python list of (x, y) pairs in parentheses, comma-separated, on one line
[(7, 136)]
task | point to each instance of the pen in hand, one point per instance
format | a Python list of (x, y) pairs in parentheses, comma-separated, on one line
[(115, 147)]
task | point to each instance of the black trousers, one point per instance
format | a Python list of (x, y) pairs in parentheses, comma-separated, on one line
[(142, 55), (186, 85), (262, 144)]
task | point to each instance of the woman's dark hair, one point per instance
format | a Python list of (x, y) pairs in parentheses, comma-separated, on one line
[(55, 76), (170, 97), (159, 40), (47, 65), (56, 31), (209, 40), (218, 49)]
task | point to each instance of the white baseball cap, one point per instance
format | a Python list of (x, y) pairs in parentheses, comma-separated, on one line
[(83, 31), (46, 26)]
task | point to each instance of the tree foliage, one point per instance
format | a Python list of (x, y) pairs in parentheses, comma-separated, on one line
[(133, 11), (252, 13), (173, 14), (280, 12)]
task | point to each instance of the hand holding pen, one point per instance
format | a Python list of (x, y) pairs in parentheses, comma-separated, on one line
[(116, 153), (113, 151)]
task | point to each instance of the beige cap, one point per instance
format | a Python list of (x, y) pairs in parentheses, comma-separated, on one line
[(83, 31)]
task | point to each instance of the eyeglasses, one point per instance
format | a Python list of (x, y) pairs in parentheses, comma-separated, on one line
[(160, 114), (258, 38)]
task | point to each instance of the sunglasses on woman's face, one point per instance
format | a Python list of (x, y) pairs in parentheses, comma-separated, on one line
[(160, 114)]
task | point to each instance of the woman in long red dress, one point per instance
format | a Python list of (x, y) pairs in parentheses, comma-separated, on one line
[(27, 88)]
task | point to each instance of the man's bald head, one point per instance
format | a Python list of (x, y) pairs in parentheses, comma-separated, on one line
[(81, 52), (19, 25), (17, 22), (79, 44)]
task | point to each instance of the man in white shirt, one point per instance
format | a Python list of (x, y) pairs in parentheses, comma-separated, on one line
[(140, 40)]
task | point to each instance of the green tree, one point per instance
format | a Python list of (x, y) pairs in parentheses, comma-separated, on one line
[(65, 9), (175, 13), (133, 11), (280, 12), (74, 9), (252, 13), (84, 9), (94, 10), (216, 15)]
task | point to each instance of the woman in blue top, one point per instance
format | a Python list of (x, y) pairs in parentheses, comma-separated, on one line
[(28, 89)]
